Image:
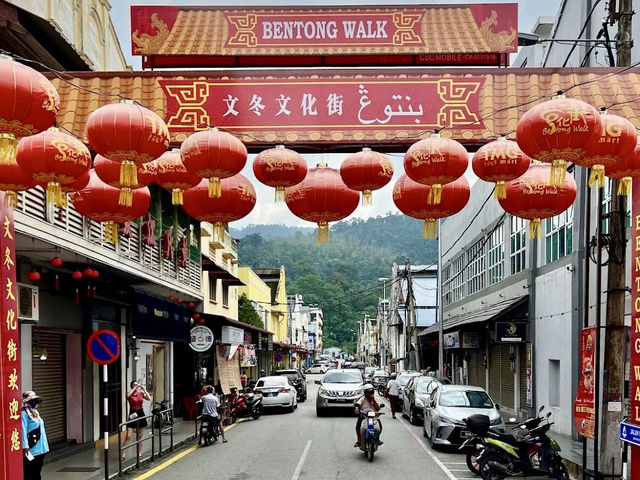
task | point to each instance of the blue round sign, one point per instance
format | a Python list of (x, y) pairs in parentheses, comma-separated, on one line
[(103, 346)]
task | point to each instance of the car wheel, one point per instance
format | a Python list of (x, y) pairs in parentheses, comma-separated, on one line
[(432, 438), (412, 417), (292, 407), (319, 412), (424, 431)]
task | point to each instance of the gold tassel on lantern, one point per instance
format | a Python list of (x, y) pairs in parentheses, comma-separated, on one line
[(624, 186), (367, 198), (126, 197), (8, 148), (435, 194), (279, 194), (535, 229), (215, 188), (501, 190), (54, 194), (176, 196), (10, 199), (128, 174), (430, 228), (323, 232), (558, 172), (111, 232), (597, 175), (218, 231)]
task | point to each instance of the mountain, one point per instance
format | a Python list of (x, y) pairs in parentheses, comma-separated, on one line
[(268, 231)]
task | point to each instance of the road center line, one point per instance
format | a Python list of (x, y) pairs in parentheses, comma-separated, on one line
[(303, 457), (442, 466)]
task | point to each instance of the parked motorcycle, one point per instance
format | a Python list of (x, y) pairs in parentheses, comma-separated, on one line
[(246, 404), (161, 416), (369, 440)]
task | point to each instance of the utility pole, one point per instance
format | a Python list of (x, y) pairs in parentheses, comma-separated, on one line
[(615, 340), (411, 310)]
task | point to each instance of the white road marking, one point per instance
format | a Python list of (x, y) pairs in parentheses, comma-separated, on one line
[(442, 466), (296, 473)]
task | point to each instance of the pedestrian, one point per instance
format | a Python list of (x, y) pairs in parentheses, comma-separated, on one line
[(34, 436), (210, 405), (135, 397), (393, 393), (243, 378)]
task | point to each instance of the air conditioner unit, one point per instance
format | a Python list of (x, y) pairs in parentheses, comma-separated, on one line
[(28, 303)]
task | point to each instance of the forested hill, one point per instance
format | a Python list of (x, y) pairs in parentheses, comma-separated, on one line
[(340, 276)]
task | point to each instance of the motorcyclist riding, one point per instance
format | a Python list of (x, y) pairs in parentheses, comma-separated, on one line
[(366, 402), (210, 404)]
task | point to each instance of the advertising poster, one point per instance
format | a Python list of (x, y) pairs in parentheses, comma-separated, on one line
[(248, 356), (584, 406)]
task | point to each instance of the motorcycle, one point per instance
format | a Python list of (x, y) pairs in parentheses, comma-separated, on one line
[(161, 415), (246, 404), (533, 455), (369, 439), (210, 429)]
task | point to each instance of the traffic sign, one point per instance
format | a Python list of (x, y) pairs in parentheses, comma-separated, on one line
[(103, 346), (630, 433)]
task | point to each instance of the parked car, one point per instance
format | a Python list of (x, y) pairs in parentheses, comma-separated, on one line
[(277, 391), (379, 377), (447, 407), (368, 373), (346, 365), (297, 379), (359, 365), (416, 395), (404, 377), (339, 389), (317, 368)]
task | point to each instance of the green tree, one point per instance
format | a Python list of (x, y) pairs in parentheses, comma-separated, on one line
[(246, 312)]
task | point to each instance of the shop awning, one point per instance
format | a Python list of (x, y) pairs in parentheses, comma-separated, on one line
[(158, 319), (217, 272), (235, 323), (477, 316)]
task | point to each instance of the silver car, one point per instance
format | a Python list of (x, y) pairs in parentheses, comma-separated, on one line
[(339, 389), (447, 407)]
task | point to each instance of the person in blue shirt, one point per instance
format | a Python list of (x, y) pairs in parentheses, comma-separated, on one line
[(34, 436)]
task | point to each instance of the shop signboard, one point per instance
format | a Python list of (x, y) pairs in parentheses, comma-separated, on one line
[(452, 340), (511, 332), (201, 338), (248, 356), (634, 333), (470, 340), (584, 411), (231, 335)]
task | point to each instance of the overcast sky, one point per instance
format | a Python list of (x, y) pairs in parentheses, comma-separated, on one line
[(266, 211)]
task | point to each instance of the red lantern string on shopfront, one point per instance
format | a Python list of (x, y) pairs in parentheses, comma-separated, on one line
[(172, 175), (29, 105), (127, 133), (56, 262), (435, 161), (213, 155), (617, 140), (366, 171), (411, 199), (237, 199), (322, 197), (531, 197), (279, 167), (625, 170), (109, 172), (499, 162), (14, 179), (78, 185), (54, 159), (99, 202), (557, 132), (34, 276)]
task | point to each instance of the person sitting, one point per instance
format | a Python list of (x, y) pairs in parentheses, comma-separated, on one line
[(210, 404), (366, 402)]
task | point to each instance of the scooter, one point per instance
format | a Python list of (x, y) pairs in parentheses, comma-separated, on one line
[(161, 415), (210, 430), (246, 405), (370, 432)]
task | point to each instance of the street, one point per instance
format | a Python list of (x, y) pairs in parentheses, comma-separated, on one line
[(301, 445)]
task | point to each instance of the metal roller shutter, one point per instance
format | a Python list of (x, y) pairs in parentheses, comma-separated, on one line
[(506, 377), (480, 370), (523, 376), (494, 372), (49, 383)]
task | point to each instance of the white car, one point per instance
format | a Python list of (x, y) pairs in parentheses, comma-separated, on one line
[(317, 368), (277, 391)]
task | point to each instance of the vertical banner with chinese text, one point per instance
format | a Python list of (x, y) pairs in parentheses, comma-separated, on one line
[(584, 408), (634, 334), (10, 426)]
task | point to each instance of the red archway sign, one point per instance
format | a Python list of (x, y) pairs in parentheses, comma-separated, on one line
[(103, 346)]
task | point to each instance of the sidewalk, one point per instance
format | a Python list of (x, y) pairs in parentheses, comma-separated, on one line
[(571, 452), (89, 464)]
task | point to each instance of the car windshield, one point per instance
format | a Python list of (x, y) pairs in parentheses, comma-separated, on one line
[(466, 398), (271, 382), (404, 379), (423, 386), (343, 377)]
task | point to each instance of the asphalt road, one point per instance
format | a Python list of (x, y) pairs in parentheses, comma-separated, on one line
[(299, 445)]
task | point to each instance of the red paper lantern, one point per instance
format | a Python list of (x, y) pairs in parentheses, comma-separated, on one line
[(499, 162), (213, 155), (236, 200), (365, 171), (532, 198), (29, 105), (322, 197), (54, 159), (172, 175), (411, 199), (191, 304), (127, 133), (617, 141), (196, 316), (88, 273), (33, 276), (56, 262), (625, 170), (435, 161), (95, 274), (201, 321), (109, 172), (556, 132), (179, 300), (14, 179), (79, 184), (99, 202), (76, 275), (280, 168), (171, 298)]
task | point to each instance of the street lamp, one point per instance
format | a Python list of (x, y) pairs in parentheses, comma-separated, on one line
[(383, 359)]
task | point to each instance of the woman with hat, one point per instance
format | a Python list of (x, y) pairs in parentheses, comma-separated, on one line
[(34, 437)]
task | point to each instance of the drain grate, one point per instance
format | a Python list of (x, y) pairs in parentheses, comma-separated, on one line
[(79, 469)]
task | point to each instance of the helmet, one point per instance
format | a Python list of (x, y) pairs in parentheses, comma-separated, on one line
[(394, 375), (368, 388)]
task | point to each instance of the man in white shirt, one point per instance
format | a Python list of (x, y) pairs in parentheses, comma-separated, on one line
[(210, 405), (393, 392)]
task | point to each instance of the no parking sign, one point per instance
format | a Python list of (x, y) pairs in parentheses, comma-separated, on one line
[(103, 346)]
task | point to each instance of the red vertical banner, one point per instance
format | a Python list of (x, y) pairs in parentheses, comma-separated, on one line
[(584, 408), (10, 399), (634, 334)]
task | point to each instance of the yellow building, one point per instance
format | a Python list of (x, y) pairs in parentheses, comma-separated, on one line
[(258, 292)]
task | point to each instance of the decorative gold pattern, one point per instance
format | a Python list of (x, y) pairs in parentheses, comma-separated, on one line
[(245, 37), (150, 44), (499, 41), (405, 23)]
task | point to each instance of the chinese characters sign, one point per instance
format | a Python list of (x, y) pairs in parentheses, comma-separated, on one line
[(331, 108), (10, 429), (584, 406)]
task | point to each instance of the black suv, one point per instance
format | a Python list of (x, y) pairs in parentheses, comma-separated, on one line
[(297, 379)]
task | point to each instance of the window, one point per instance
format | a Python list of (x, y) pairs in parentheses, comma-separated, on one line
[(457, 279), (518, 244), (476, 268), (554, 383), (496, 255), (225, 295), (446, 285), (213, 289), (559, 235)]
